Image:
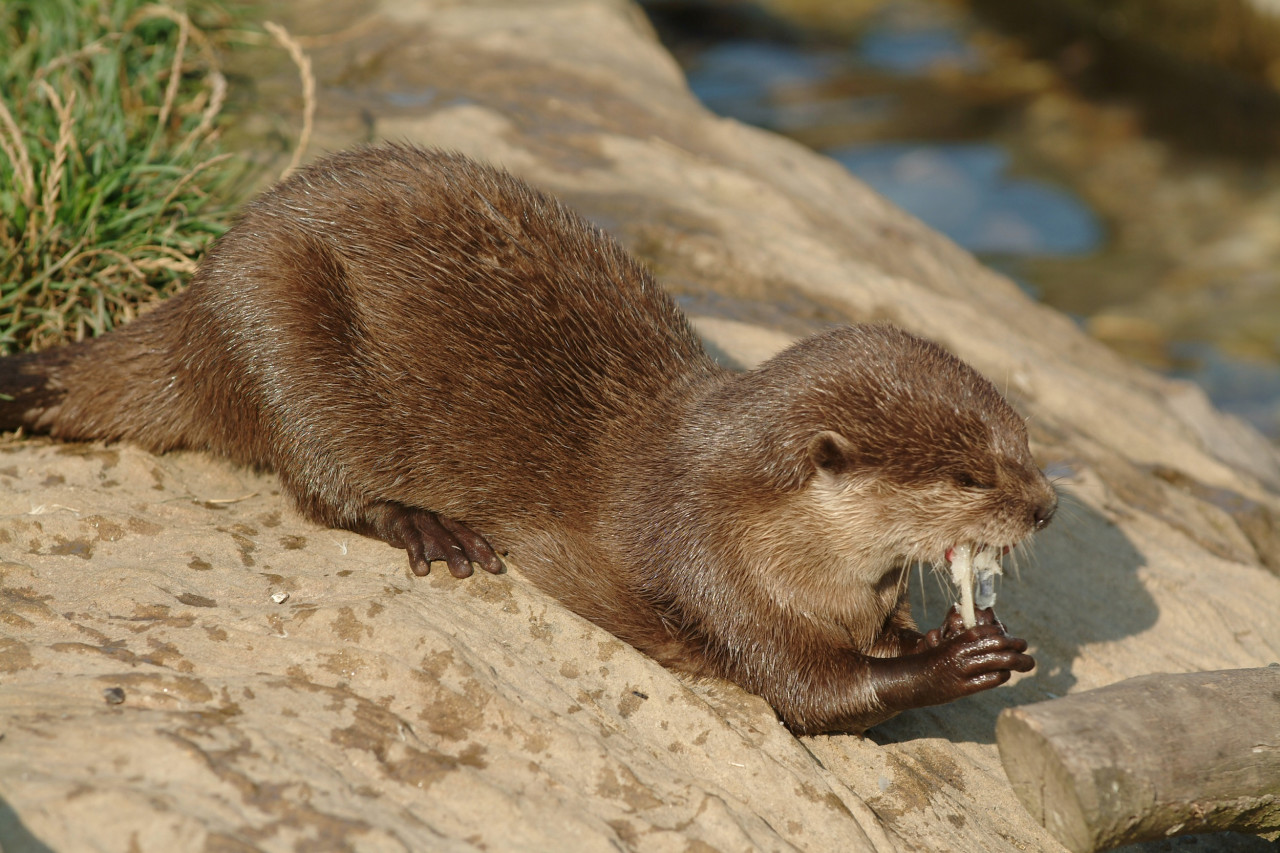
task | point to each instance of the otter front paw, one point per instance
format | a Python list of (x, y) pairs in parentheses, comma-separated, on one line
[(430, 536), (974, 660), (951, 662)]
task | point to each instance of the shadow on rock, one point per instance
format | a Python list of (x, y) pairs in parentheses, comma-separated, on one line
[(14, 836)]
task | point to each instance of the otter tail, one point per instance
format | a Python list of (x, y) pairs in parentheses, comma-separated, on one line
[(30, 392), (117, 387)]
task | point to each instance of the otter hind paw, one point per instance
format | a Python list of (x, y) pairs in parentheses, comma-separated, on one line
[(429, 536)]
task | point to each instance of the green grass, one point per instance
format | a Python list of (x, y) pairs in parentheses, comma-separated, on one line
[(111, 180)]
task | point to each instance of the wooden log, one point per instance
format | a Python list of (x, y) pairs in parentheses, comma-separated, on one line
[(1150, 757)]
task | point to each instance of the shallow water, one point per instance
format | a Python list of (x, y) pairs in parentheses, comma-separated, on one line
[(1169, 255), (967, 191)]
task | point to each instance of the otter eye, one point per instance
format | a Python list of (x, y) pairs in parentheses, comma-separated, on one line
[(969, 481)]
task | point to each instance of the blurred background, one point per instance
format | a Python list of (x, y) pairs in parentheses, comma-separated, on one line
[(1117, 158)]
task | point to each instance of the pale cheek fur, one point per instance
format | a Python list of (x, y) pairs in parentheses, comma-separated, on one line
[(906, 524)]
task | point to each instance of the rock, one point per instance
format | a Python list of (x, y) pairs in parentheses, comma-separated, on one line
[(370, 710)]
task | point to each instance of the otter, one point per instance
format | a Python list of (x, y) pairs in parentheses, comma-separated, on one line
[(427, 351)]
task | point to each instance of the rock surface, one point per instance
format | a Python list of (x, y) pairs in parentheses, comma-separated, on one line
[(158, 692)]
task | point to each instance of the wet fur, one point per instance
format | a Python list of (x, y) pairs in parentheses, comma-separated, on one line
[(403, 328)]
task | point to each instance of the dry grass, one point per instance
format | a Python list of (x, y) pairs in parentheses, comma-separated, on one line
[(112, 183)]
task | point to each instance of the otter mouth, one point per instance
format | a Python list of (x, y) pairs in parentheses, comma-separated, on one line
[(974, 567)]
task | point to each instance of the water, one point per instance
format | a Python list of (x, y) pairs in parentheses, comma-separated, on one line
[(968, 192), (965, 189), (918, 105), (909, 39)]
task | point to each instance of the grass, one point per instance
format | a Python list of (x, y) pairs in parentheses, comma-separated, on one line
[(111, 179)]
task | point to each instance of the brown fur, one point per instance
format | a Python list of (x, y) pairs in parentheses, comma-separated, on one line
[(396, 328)]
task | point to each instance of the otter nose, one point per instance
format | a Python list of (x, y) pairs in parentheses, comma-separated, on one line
[(1043, 514)]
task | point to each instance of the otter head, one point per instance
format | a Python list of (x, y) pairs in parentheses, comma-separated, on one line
[(889, 451)]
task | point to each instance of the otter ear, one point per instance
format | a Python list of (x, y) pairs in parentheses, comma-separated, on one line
[(831, 452)]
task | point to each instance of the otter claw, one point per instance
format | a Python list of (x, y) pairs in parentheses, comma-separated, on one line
[(468, 544)]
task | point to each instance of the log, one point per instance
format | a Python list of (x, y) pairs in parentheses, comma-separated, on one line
[(1150, 757)]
